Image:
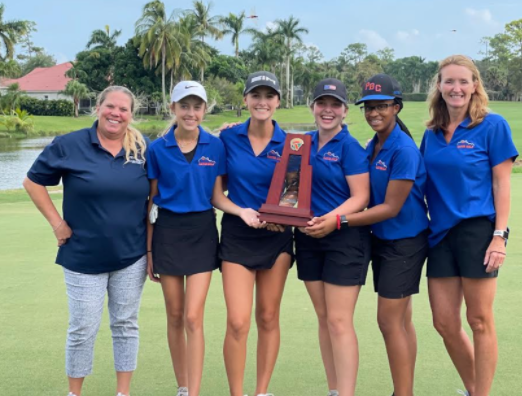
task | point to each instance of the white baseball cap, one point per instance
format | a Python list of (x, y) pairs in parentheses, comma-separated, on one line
[(187, 88)]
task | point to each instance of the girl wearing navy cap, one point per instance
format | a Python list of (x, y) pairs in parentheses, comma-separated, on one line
[(469, 155), (332, 262), (397, 213), (253, 257), (185, 168)]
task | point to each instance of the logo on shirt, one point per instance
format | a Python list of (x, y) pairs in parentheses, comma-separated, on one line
[(296, 143), (464, 144), (329, 156), (134, 160), (205, 161), (272, 154), (381, 165)]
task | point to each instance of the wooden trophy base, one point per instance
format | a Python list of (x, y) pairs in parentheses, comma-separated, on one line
[(279, 215)]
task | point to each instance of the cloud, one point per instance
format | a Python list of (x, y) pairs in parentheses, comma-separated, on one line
[(372, 39), (402, 35), (483, 16)]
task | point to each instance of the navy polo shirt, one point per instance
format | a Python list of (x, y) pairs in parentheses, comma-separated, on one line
[(104, 201), (185, 187), (249, 176), (398, 159), (342, 156), (459, 184)]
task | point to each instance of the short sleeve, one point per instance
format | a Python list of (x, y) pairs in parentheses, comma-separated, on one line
[(152, 167), (50, 165), (500, 143), (405, 164), (355, 159)]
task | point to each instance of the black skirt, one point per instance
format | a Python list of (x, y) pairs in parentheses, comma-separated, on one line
[(256, 249), (184, 243)]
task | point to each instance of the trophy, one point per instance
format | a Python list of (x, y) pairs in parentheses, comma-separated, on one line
[(289, 197)]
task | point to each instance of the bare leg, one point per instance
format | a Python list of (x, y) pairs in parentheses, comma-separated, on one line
[(446, 297), (269, 292), (394, 318), (174, 294), (195, 297), (75, 385), (480, 295), (123, 380), (316, 293), (340, 303), (238, 286)]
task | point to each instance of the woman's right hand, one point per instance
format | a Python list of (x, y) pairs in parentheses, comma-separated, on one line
[(150, 269), (62, 233)]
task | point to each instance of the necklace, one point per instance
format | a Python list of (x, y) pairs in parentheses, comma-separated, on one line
[(185, 143)]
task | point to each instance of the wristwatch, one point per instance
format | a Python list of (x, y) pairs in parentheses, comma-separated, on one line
[(501, 233), (344, 221)]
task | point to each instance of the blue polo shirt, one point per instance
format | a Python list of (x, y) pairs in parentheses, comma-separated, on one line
[(104, 201), (185, 187), (342, 156), (398, 159), (249, 176), (459, 184)]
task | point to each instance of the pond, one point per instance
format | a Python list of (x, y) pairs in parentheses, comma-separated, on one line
[(16, 157)]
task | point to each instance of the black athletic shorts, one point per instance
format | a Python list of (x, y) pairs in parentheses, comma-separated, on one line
[(462, 251), (397, 265), (340, 258), (184, 243), (253, 248)]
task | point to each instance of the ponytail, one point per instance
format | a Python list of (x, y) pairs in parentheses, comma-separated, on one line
[(403, 126)]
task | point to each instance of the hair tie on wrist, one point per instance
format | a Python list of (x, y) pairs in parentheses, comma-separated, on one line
[(58, 226)]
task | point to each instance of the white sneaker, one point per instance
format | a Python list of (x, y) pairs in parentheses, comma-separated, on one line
[(121, 394), (183, 391), (71, 394), (463, 393), (333, 392), (265, 394)]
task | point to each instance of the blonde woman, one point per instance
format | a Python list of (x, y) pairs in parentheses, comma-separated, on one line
[(468, 153), (102, 234), (185, 169)]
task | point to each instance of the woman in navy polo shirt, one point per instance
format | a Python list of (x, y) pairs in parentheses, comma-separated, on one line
[(185, 168), (334, 263), (469, 154), (397, 213), (253, 257), (102, 235)]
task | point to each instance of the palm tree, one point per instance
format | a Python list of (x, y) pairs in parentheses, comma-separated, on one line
[(12, 96), (266, 49), (10, 33), (207, 25), (10, 69), (78, 91), (290, 32), (159, 36), (195, 53), (234, 25), (75, 72), (104, 38)]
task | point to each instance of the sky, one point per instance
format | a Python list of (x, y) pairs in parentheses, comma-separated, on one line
[(431, 29)]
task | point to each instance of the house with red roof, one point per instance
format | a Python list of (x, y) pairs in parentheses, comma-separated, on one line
[(45, 83)]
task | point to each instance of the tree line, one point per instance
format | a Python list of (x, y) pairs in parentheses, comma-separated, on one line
[(169, 47)]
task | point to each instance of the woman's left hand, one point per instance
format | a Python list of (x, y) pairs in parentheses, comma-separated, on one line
[(321, 227), (495, 255), (250, 217)]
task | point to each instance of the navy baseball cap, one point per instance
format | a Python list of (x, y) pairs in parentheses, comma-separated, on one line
[(380, 87), (331, 87), (262, 79)]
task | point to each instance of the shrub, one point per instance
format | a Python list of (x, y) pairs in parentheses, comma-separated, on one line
[(414, 97), (59, 107)]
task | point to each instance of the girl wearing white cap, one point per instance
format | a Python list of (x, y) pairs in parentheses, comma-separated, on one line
[(185, 166)]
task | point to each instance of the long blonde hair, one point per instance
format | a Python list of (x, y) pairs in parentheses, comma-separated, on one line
[(478, 105), (133, 141)]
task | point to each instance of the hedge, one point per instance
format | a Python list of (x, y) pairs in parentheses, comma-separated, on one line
[(414, 97), (59, 107)]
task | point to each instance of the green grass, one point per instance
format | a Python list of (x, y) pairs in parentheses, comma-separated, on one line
[(33, 314)]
